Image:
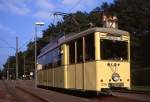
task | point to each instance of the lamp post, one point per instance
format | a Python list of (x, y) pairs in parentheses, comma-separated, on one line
[(35, 70), (16, 58)]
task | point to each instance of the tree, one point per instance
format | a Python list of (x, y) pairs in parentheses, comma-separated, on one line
[(1, 74)]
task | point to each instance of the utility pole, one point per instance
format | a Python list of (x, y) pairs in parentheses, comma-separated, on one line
[(7, 74), (35, 60), (8, 70), (3, 75), (24, 66), (16, 58)]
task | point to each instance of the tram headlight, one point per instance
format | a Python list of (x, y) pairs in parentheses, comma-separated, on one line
[(115, 77)]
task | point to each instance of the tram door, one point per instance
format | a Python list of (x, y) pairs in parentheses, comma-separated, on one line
[(75, 66), (79, 66), (71, 65)]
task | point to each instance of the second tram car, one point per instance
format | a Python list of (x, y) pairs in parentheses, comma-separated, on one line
[(96, 59)]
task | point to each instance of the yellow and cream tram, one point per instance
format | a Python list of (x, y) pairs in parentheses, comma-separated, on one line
[(96, 59)]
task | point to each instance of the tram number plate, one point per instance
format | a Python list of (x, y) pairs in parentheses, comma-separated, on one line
[(116, 84)]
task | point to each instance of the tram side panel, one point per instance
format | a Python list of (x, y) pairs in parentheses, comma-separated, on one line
[(59, 77), (64, 62), (50, 77), (39, 81), (97, 58), (82, 78), (44, 77), (90, 76), (79, 76), (40, 77)]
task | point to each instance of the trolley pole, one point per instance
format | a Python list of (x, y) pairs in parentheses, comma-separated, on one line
[(16, 58), (8, 70)]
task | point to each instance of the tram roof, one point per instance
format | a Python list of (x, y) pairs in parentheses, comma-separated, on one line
[(96, 29), (69, 37)]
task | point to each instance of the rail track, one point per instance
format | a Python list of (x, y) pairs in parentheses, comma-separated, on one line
[(20, 94), (12, 91), (141, 96), (132, 91)]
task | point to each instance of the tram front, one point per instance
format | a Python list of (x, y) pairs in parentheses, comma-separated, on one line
[(114, 64)]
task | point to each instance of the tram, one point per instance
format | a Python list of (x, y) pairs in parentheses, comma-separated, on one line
[(96, 60)]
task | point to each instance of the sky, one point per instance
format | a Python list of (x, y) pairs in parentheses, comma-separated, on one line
[(18, 17)]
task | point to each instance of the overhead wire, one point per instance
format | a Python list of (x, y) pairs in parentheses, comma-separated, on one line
[(5, 47), (25, 43), (54, 19), (9, 45), (77, 3), (61, 19), (60, 23)]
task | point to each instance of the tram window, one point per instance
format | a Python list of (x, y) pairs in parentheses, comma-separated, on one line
[(49, 64), (71, 52), (59, 55), (114, 50), (44, 59), (56, 57), (40, 60), (89, 47), (51, 58), (79, 50)]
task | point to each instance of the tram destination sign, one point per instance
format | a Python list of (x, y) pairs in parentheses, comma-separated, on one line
[(113, 38)]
